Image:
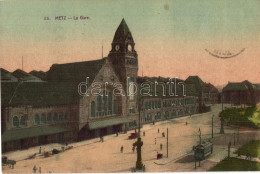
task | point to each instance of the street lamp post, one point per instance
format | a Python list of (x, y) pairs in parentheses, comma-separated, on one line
[(139, 143)]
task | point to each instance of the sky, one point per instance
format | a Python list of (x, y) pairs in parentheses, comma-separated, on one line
[(171, 36)]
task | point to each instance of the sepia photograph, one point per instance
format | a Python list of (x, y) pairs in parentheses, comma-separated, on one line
[(126, 86)]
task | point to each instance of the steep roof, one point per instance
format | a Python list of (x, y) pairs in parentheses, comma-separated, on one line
[(256, 87), (75, 72), (122, 32), (40, 74), (7, 76), (245, 85), (22, 75), (38, 94), (199, 84), (235, 86)]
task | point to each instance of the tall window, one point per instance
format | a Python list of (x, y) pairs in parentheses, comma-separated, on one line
[(131, 87), (49, 119), (99, 105), (66, 116), (36, 119), (43, 118), (104, 102), (61, 116), (55, 116), (115, 107), (22, 121), (93, 109), (110, 103), (15, 121)]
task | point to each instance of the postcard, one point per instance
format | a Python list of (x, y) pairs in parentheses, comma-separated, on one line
[(130, 86)]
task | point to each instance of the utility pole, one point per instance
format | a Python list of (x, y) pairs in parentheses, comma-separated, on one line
[(234, 138), (229, 144), (167, 143), (22, 62), (102, 49), (139, 143), (222, 119), (200, 135), (238, 135), (212, 127)]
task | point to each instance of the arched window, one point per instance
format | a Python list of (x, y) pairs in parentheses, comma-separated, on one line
[(115, 107), (61, 116), (93, 109), (36, 119), (43, 118), (99, 105), (110, 103), (55, 116), (49, 118), (104, 102), (22, 121), (15, 121)]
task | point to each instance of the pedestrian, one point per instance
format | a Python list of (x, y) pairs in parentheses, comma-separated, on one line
[(161, 146), (143, 168), (34, 169), (154, 140), (153, 122), (40, 170), (143, 133), (186, 123), (102, 139), (158, 130), (122, 149), (117, 133), (163, 134), (40, 150), (133, 149)]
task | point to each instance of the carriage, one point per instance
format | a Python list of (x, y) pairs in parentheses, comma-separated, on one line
[(6, 162), (133, 136)]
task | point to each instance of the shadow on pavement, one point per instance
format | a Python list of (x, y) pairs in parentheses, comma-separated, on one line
[(186, 159)]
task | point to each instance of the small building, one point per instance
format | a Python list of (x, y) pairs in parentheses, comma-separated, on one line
[(238, 93)]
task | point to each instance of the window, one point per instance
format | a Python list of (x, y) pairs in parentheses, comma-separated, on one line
[(131, 87), (49, 119), (99, 106), (22, 121), (36, 119), (93, 109), (104, 102), (43, 118), (66, 116), (110, 103), (15, 121), (115, 107), (55, 116), (61, 116)]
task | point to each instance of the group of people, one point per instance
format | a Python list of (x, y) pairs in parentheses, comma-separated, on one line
[(35, 169)]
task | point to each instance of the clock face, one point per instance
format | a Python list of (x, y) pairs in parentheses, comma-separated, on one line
[(117, 47), (129, 47)]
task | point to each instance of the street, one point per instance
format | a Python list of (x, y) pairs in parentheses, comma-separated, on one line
[(95, 156)]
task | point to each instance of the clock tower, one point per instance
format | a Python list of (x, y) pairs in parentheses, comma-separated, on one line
[(125, 61)]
